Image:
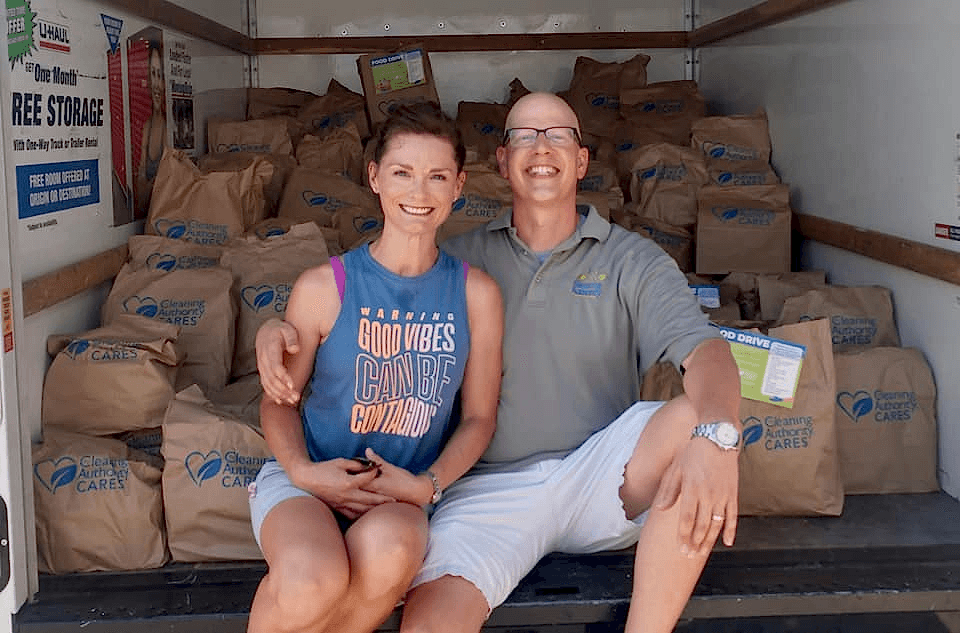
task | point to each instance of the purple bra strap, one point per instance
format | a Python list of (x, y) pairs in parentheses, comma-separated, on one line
[(339, 274), (466, 268)]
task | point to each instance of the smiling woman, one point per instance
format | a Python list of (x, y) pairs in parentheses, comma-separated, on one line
[(389, 333)]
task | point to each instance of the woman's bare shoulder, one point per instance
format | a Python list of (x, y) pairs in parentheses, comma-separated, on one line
[(482, 288)]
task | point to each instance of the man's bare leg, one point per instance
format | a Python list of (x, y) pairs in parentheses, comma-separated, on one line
[(665, 571), (450, 604)]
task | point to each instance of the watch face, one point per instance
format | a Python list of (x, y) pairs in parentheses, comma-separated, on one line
[(728, 434)]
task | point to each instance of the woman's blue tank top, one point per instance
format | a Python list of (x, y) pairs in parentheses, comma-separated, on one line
[(387, 374)]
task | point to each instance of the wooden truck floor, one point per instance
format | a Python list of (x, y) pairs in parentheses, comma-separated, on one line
[(890, 563)]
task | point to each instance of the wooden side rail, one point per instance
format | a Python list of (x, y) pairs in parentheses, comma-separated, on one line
[(166, 13), (59, 285), (932, 261), (756, 17), (939, 263)]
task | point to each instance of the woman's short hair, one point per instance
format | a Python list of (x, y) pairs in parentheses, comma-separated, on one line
[(420, 118)]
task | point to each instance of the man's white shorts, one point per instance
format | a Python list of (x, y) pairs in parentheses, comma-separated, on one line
[(492, 528)]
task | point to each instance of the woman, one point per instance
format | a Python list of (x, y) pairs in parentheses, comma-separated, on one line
[(154, 133), (388, 335)]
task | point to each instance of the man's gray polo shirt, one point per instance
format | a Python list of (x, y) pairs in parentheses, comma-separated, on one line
[(580, 329)]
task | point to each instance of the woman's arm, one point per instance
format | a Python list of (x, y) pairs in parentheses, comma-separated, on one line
[(312, 309), (480, 393)]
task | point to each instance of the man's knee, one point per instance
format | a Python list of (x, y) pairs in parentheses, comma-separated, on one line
[(667, 430)]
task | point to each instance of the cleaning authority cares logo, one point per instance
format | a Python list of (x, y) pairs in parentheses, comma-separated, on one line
[(192, 231), (778, 433), (886, 406), (266, 297), (83, 474), (182, 312), (230, 469), (168, 262), (743, 215), (94, 350)]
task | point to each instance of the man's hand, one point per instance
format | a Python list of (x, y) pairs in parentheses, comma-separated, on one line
[(703, 481), (273, 339)]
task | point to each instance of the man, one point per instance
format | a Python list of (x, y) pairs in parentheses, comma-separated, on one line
[(577, 465)]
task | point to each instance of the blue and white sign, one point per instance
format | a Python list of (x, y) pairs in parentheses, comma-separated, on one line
[(48, 187)]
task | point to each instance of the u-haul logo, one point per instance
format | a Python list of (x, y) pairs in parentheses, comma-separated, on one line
[(53, 37)]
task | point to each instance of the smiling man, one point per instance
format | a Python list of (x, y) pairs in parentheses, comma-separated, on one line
[(577, 464)]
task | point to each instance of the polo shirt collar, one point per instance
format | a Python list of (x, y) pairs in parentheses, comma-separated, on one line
[(593, 226)]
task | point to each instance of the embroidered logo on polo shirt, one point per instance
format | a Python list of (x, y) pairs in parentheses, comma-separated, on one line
[(589, 284)]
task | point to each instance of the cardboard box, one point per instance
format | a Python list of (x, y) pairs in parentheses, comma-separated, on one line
[(390, 79)]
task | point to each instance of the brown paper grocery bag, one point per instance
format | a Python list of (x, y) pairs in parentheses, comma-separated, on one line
[(742, 176), (98, 506), (661, 382), (886, 421), (667, 107), (198, 301), (211, 459), (334, 109), (664, 180), (317, 195), (264, 272), (675, 240), (774, 290), (267, 102), (860, 316), (744, 229), (789, 462), (486, 195), (163, 253), (482, 126), (115, 378), (283, 166), (594, 92), (210, 208), (733, 141), (340, 151), (240, 399), (261, 136), (358, 226), (272, 227)]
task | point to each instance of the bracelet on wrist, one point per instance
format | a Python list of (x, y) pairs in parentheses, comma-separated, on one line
[(437, 491)]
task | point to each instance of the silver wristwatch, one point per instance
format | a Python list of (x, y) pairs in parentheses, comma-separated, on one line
[(722, 433)]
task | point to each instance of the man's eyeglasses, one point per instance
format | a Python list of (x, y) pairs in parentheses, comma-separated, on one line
[(527, 136)]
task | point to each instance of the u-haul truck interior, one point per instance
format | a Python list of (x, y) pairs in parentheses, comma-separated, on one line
[(856, 96)]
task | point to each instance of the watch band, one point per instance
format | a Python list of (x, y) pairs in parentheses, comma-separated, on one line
[(723, 433)]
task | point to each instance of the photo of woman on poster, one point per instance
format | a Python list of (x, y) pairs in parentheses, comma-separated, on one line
[(150, 121)]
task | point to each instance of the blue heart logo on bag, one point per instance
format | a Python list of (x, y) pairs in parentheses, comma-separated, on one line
[(162, 261), (202, 467), (144, 306), (855, 405), (76, 348), (752, 431), (173, 229), (258, 297), (54, 474)]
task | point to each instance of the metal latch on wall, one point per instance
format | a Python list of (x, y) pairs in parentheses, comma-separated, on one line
[(691, 56), (4, 546)]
